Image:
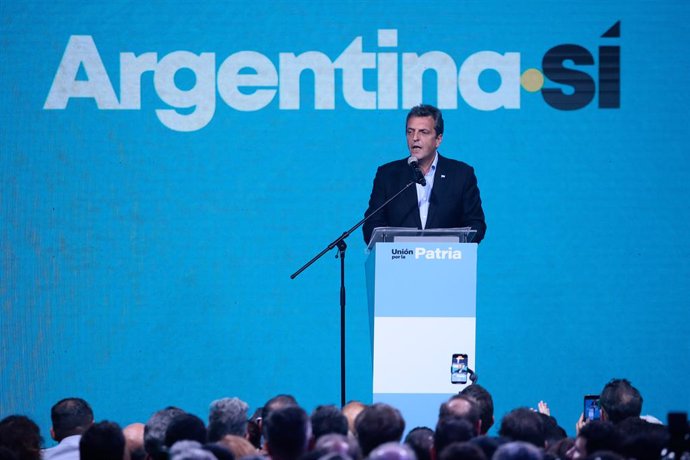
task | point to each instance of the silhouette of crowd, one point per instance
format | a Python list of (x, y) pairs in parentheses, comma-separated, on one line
[(282, 430)]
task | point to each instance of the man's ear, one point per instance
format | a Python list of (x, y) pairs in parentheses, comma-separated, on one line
[(52, 434), (604, 415)]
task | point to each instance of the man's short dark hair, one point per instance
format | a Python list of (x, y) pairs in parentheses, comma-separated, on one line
[(620, 400), (426, 110), (277, 402), (286, 432), (378, 424), (326, 420), (600, 435), (523, 424), (155, 428), (421, 440), (642, 440), (70, 416), (102, 441), (518, 450), (452, 429), (462, 451), (185, 427), (484, 402)]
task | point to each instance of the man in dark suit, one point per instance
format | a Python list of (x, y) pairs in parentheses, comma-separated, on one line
[(450, 197)]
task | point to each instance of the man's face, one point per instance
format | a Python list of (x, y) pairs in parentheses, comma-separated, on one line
[(422, 140)]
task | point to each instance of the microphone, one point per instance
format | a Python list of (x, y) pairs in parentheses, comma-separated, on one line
[(418, 176)]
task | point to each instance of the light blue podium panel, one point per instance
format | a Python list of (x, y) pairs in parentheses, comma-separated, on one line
[(422, 310)]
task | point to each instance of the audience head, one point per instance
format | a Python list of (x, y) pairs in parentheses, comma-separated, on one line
[(155, 428), (451, 429), (254, 428), (326, 420), (20, 436), (190, 450), (287, 433), (518, 450), (421, 440), (378, 424), (70, 416), (227, 416), (523, 424), (552, 431), (642, 440), (620, 400), (464, 407), (462, 451), (489, 444), (484, 402), (595, 436), (333, 443), (185, 427), (277, 402), (134, 440), (351, 410), (102, 441), (392, 451), (238, 445)]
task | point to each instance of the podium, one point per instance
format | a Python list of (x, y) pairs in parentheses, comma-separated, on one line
[(421, 287)]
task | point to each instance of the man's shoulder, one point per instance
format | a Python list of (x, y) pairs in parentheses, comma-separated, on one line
[(450, 163), (393, 165)]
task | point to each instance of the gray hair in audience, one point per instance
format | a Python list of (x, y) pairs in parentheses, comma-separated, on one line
[(227, 416), (518, 450), (189, 450), (155, 428), (392, 451)]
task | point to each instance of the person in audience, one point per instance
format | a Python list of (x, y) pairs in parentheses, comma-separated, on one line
[(518, 450), (286, 433), (351, 410), (190, 450), (378, 424), (227, 416), (254, 428), (392, 451), (620, 400), (421, 440), (238, 445), (20, 437), (595, 436), (277, 402), (102, 441), (484, 402), (523, 424), (489, 444), (334, 443), (462, 451), (464, 407), (134, 441), (70, 418), (327, 420), (450, 429), (154, 431), (185, 427), (642, 440)]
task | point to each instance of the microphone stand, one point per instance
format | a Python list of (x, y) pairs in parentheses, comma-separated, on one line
[(340, 243)]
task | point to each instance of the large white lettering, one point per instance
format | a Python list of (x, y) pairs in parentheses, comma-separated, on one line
[(249, 80)]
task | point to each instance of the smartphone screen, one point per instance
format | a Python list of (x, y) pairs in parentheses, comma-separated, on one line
[(458, 368), (592, 410)]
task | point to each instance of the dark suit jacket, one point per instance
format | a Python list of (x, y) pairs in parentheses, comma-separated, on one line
[(454, 201)]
